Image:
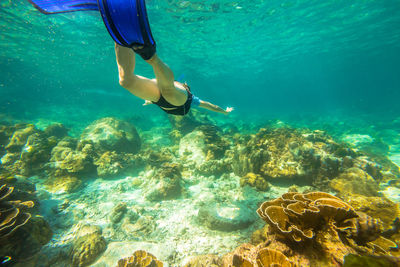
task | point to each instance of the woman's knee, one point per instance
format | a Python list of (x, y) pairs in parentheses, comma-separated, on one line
[(127, 82)]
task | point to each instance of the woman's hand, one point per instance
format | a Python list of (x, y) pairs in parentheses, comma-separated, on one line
[(147, 102), (228, 110)]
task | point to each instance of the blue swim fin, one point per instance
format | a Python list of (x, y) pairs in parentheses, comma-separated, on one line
[(128, 25), (125, 20), (62, 6)]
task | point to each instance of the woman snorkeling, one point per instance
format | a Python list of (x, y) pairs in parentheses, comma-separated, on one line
[(171, 96)]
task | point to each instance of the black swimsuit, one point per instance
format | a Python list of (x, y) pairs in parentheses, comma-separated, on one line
[(178, 110)]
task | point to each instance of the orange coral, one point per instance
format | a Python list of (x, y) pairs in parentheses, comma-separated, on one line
[(140, 258), (297, 216), (270, 257), (256, 256), (11, 212)]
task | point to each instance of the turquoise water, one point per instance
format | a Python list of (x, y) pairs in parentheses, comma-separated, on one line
[(320, 65), (259, 56)]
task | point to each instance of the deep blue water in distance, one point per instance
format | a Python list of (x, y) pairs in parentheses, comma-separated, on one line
[(265, 58)]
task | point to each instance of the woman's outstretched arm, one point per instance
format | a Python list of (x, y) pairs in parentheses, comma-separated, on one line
[(215, 108)]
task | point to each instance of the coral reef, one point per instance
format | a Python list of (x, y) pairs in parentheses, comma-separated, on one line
[(67, 161), (202, 146), (303, 155), (19, 137), (154, 158), (192, 148), (112, 164), (88, 244), (355, 181), (140, 258), (63, 184), (297, 217), (377, 207), (12, 213), (327, 228), (118, 212), (204, 261), (111, 134), (167, 183), (21, 234), (254, 180), (215, 167), (352, 260), (186, 124), (138, 228), (252, 256), (215, 144), (57, 130), (27, 149)]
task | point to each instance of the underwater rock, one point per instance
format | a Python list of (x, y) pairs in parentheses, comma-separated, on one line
[(63, 184), (118, 212), (204, 261), (111, 134), (6, 132), (20, 136), (165, 184), (175, 136), (144, 226), (140, 258), (254, 180), (215, 144), (203, 144), (88, 244), (8, 162), (154, 158), (65, 160), (27, 151), (215, 167), (186, 124), (229, 217), (111, 164), (192, 147), (57, 129), (355, 181), (36, 153)]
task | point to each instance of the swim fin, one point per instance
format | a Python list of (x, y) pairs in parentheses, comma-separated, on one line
[(125, 20), (128, 25), (62, 6)]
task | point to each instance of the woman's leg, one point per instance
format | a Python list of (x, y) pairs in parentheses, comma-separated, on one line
[(166, 83), (137, 85)]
